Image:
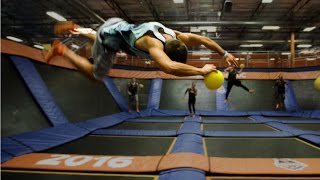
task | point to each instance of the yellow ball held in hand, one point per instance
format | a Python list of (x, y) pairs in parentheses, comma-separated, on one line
[(141, 86), (214, 80), (242, 66), (317, 83)]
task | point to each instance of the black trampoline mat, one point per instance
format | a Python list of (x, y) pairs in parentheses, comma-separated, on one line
[(289, 118), (46, 175), (116, 145), (163, 118), (225, 118), (237, 127), (311, 127), (260, 148), (147, 126)]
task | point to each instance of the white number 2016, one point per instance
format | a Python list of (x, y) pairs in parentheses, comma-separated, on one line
[(71, 161)]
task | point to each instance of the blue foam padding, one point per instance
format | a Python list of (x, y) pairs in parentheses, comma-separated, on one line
[(193, 119), (122, 103), (254, 113), (300, 121), (190, 128), (5, 157), (310, 114), (182, 174), (315, 114), (263, 119), (223, 113), (290, 100), (220, 98), (39, 90), (188, 143), (230, 122), (165, 112), (278, 113), (155, 94), (105, 121), (14, 147), (312, 138), (135, 132), (246, 134), (47, 138), (155, 120)]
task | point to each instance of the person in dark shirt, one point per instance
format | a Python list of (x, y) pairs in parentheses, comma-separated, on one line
[(232, 80), (192, 99), (280, 90), (133, 88)]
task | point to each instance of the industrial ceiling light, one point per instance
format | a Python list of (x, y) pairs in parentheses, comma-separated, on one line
[(14, 39), (308, 29), (304, 45), (178, 1), (38, 46), (56, 16), (267, 1), (270, 27), (251, 45)]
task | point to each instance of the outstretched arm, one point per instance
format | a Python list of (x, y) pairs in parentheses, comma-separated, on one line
[(155, 48), (196, 40)]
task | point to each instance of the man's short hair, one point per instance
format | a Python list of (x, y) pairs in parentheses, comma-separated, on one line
[(176, 50)]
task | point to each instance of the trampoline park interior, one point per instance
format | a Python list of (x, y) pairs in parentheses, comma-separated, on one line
[(58, 124)]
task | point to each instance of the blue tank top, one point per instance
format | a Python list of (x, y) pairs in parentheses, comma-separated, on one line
[(122, 36)]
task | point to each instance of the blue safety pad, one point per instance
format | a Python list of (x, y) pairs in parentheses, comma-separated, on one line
[(188, 143), (105, 121), (122, 103), (193, 119), (278, 113), (223, 113), (14, 147), (182, 174), (300, 121), (39, 90), (220, 98), (5, 156), (156, 120), (310, 114), (165, 112), (254, 113), (120, 132), (263, 119), (290, 100), (190, 128), (230, 122), (312, 138), (246, 134), (47, 138), (292, 130), (155, 94)]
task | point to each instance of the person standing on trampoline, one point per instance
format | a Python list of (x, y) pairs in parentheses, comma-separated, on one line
[(280, 90), (151, 40), (133, 88), (232, 80), (192, 99)]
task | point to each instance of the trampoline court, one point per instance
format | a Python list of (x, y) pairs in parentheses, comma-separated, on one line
[(58, 124)]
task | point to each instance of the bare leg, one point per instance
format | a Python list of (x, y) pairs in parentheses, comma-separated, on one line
[(137, 106), (82, 64)]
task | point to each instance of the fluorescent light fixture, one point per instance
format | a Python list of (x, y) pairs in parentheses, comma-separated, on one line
[(38, 46), (246, 52), (14, 38), (267, 1), (56, 16), (304, 45), (270, 27), (251, 45), (208, 28), (285, 53), (75, 46), (242, 59), (178, 1), (308, 29), (272, 59)]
